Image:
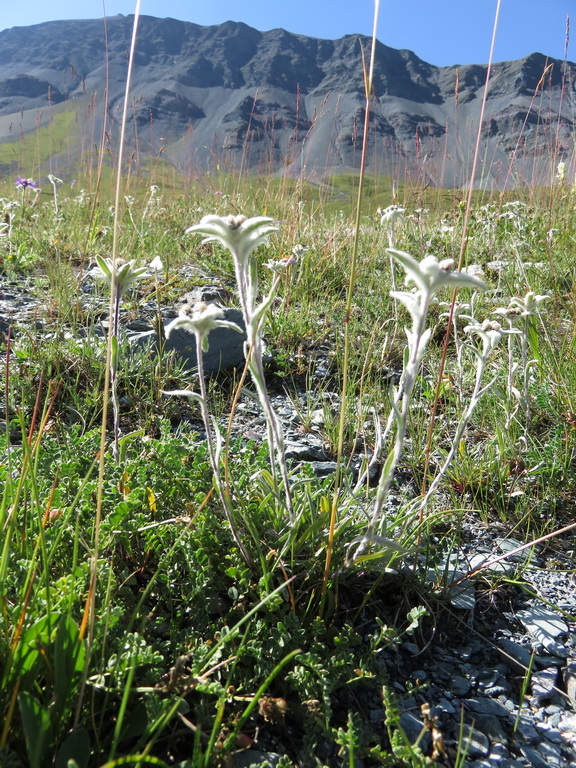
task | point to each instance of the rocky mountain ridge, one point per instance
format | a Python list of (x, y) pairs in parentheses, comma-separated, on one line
[(276, 102)]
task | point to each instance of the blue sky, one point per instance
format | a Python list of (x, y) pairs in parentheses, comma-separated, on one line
[(441, 32)]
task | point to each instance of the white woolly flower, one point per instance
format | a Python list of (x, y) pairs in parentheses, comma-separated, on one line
[(200, 320), (156, 265), (125, 272), (525, 307), (236, 233), (391, 215), (431, 275), (491, 333), (281, 264)]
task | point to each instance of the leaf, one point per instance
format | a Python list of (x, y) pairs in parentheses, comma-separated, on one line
[(37, 729), (69, 655), (75, 751)]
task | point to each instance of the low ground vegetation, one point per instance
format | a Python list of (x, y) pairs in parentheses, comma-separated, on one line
[(192, 593)]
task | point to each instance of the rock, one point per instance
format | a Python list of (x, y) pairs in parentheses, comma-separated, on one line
[(459, 685), (225, 346), (556, 649), (412, 727), (526, 730), (515, 655), (567, 727), (509, 545), (323, 468), (542, 623), (570, 680), (475, 742), (305, 451), (483, 706), (502, 567), (543, 684), (446, 706), (552, 755), (206, 293), (543, 756), (491, 726)]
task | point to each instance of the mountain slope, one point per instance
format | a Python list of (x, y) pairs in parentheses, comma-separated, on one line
[(276, 102)]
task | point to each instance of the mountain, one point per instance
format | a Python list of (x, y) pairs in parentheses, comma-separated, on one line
[(275, 102)]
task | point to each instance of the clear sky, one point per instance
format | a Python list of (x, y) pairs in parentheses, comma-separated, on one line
[(441, 32)]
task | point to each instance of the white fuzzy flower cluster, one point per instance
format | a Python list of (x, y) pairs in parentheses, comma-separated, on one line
[(200, 320)]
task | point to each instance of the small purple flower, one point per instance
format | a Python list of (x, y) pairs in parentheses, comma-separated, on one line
[(23, 183)]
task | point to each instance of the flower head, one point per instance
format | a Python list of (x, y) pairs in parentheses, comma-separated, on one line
[(156, 265), (125, 272), (491, 333), (391, 215), (23, 183), (236, 233), (430, 275), (200, 319)]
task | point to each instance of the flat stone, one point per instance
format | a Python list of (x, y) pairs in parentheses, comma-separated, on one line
[(570, 680), (502, 567), (475, 742), (554, 736), (556, 649), (491, 726), (445, 706), (498, 752), (542, 622), (543, 756), (543, 683), (509, 545), (459, 686), (484, 706), (304, 451), (323, 468), (526, 730), (552, 754), (412, 727)]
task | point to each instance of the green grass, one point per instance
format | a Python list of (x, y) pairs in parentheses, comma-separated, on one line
[(193, 652)]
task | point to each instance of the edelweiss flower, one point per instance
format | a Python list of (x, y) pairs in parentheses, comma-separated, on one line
[(525, 307), (200, 320), (491, 333), (126, 272), (391, 215), (156, 265), (281, 265), (236, 233), (430, 275)]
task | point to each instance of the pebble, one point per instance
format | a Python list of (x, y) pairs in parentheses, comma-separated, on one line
[(516, 656), (485, 706), (412, 727), (475, 742), (459, 685)]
